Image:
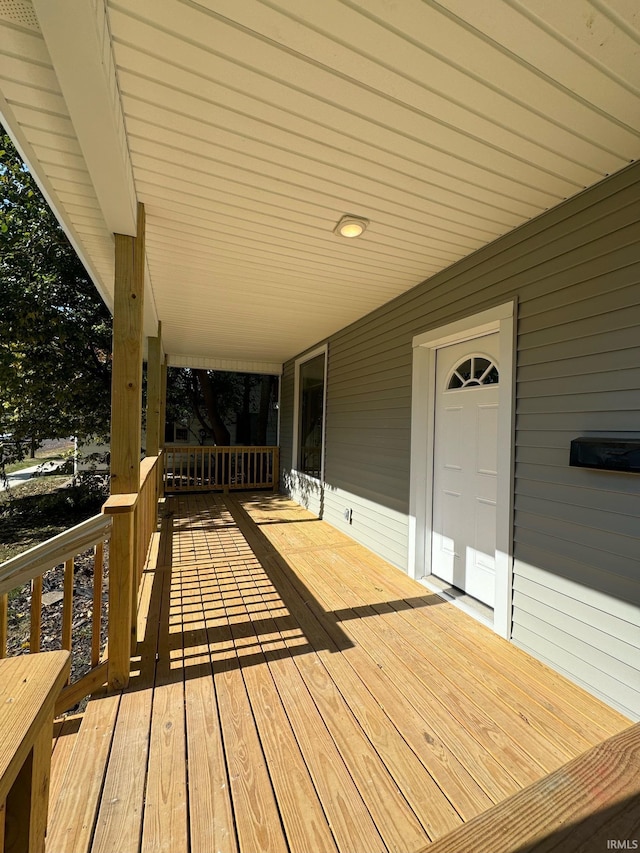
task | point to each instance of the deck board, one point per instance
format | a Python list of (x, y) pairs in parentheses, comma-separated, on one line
[(383, 718), (298, 804), (293, 692), (211, 822), (467, 689), (65, 731), (121, 812), (165, 806), (262, 643)]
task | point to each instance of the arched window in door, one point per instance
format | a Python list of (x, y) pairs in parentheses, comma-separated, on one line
[(472, 372)]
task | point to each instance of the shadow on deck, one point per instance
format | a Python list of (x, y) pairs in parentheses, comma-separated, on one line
[(293, 693)]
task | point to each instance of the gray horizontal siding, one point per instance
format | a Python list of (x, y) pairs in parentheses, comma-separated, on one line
[(575, 272), (626, 316), (616, 573), (591, 402), (608, 655), (599, 343), (574, 659), (589, 578), (613, 534), (620, 378), (391, 530), (585, 498), (565, 595), (582, 367), (582, 421)]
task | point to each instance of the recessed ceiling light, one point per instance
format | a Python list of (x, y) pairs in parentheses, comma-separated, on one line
[(351, 226)]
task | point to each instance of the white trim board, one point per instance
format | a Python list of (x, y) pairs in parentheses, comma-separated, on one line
[(500, 319)]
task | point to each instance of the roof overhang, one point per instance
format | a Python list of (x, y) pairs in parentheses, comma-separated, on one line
[(249, 129)]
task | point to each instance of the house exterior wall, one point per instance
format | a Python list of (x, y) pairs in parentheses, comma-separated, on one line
[(575, 273)]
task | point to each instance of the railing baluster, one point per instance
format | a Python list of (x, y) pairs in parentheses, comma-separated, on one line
[(36, 615), (137, 521), (67, 605), (275, 462), (96, 617), (4, 608)]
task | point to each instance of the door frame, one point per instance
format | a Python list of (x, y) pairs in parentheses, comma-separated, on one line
[(499, 319)]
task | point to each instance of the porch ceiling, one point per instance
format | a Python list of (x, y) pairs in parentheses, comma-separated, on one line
[(249, 128)]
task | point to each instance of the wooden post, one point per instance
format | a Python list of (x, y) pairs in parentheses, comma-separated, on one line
[(126, 384), (121, 570), (154, 392), (126, 429), (163, 400), (163, 420)]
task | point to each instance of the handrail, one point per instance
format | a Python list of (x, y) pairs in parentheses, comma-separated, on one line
[(591, 798), (146, 467), (39, 559)]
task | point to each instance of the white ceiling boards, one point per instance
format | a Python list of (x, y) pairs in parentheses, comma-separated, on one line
[(248, 129)]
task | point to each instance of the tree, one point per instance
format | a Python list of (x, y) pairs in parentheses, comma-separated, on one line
[(55, 331), (218, 399)]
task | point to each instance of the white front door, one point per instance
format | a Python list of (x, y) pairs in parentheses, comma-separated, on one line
[(465, 466)]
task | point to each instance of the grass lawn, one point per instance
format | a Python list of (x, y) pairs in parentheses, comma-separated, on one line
[(60, 451), (20, 466)]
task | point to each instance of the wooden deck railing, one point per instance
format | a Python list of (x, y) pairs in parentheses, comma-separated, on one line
[(211, 468), (31, 566), (128, 522)]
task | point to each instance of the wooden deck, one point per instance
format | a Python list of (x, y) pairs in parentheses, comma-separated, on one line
[(293, 692)]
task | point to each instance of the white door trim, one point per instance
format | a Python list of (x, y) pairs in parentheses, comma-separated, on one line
[(499, 319)]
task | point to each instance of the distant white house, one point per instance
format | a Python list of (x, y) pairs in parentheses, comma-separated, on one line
[(90, 456)]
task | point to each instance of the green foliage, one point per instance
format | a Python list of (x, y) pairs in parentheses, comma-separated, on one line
[(55, 332), (44, 507), (213, 401)]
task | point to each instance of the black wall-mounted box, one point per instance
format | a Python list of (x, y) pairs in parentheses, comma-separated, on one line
[(607, 454)]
